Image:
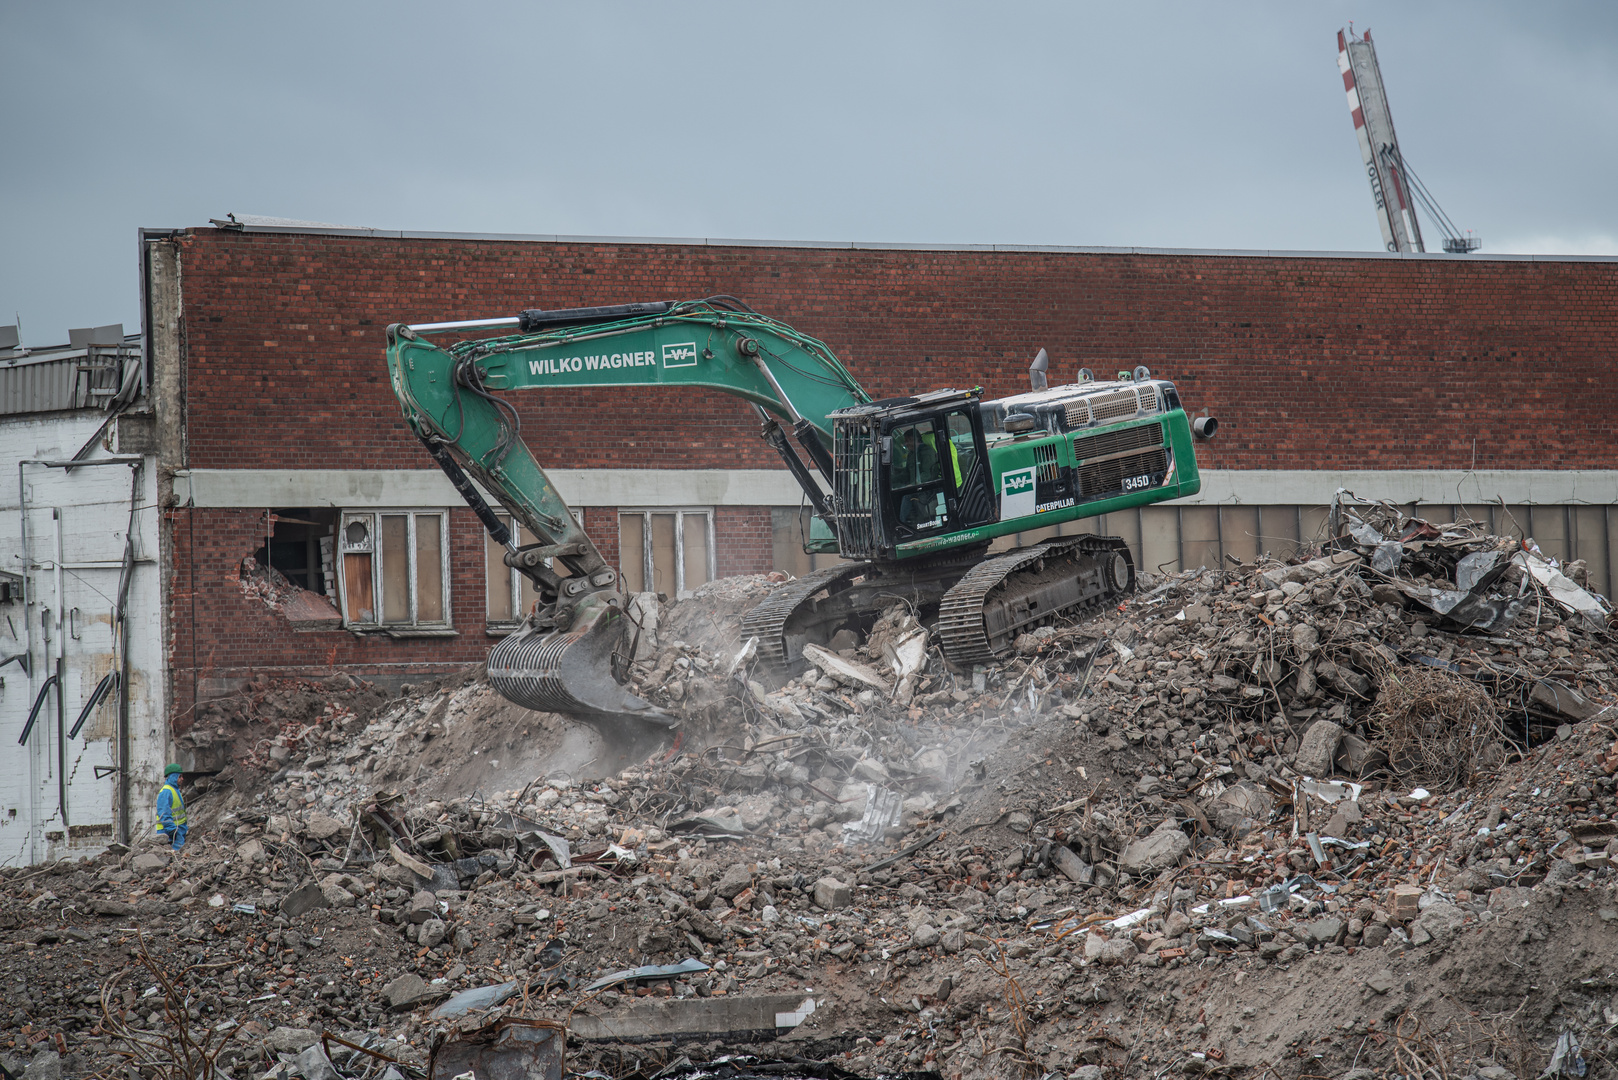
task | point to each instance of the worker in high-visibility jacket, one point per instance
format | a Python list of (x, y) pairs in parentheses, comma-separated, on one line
[(171, 808)]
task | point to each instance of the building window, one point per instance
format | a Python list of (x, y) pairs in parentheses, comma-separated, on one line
[(675, 549), (395, 569), (505, 596)]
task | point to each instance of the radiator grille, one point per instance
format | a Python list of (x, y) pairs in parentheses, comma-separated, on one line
[(1045, 460), (1116, 442), (1105, 478), (1115, 405), (1078, 413)]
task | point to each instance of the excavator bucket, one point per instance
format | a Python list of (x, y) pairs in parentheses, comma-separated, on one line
[(570, 672)]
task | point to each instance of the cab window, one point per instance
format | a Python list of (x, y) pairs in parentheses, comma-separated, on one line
[(914, 459), (916, 475)]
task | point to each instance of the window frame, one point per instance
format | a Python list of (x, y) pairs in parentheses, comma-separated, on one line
[(373, 520), (680, 513)]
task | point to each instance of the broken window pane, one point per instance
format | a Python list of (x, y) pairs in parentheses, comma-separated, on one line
[(395, 568), (429, 569), (632, 551), (695, 530), (663, 554), (499, 579)]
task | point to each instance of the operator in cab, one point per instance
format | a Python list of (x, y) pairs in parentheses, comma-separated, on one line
[(914, 464), (914, 461)]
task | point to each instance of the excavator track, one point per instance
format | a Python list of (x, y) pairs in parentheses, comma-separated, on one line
[(1003, 597), (981, 607), (768, 621), (570, 672)]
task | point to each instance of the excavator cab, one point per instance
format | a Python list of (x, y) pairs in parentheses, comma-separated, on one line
[(908, 469)]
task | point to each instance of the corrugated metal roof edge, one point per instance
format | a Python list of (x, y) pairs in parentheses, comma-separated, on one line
[(849, 245), (38, 354)]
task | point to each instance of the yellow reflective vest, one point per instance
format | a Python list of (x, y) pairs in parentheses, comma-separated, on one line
[(176, 807)]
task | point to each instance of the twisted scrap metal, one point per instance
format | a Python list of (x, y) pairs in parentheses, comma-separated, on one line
[(1436, 727), (177, 1051)]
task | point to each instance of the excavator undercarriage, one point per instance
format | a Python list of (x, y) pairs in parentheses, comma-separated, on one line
[(977, 607)]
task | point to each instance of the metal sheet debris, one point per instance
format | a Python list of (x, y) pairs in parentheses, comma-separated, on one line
[(882, 809), (688, 966), (482, 997), (510, 1049)]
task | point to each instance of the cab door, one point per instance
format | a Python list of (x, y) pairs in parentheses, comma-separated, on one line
[(973, 495)]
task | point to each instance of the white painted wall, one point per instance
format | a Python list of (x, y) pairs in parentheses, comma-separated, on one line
[(94, 507)]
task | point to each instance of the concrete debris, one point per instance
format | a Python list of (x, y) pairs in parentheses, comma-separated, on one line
[(1282, 811)]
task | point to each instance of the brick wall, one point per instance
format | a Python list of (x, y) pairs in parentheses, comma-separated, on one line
[(742, 540), (1308, 363), (221, 633)]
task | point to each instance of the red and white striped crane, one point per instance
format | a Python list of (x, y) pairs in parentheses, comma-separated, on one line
[(1394, 187)]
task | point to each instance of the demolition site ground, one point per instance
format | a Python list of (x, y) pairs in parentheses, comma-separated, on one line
[(1349, 815)]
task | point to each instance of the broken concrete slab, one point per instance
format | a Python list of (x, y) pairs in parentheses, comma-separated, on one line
[(304, 899), (1159, 851), (313, 1064), (1317, 752), (844, 671), (290, 1040), (410, 990), (831, 894), (323, 827), (147, 862), (1071, 865)]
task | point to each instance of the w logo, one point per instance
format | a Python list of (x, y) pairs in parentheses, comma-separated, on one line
[(681, 355), (1015, 483)]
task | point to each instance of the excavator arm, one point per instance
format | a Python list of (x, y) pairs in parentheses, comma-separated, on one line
[(451, 397)]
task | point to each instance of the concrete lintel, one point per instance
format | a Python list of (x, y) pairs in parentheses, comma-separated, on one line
[(362, 488), (1282, 487)]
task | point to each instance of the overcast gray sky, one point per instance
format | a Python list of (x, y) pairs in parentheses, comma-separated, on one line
[(1159, 124)]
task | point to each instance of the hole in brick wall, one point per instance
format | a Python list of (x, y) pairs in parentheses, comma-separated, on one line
[(292, 571), (299, 548)]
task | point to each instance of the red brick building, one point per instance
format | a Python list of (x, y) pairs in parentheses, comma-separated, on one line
[(1482, 383)]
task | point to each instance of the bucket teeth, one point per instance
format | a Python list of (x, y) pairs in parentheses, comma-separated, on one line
[(569, 673)]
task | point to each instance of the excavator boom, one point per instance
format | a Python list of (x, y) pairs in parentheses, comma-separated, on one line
[(449, 396)]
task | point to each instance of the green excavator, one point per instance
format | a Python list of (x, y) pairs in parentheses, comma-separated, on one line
[(911, 490)]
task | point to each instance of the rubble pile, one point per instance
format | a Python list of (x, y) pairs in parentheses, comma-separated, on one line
[(1348, 812), (267, 721)]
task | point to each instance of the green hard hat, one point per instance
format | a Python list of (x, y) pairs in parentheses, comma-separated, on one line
[(171, 770)]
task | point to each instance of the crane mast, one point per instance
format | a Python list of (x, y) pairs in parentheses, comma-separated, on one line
[(1379, 145)]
